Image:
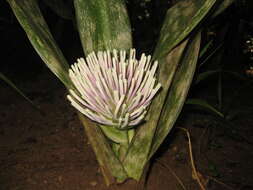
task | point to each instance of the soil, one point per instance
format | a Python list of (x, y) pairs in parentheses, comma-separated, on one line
[(50, 151)]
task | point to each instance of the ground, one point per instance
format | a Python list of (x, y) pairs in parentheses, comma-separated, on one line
[(49, 150)]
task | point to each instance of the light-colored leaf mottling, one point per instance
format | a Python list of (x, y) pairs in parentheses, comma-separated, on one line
[(103, 25), (32, 21), (139, 149), (112, 168), (178, 92), (179, 22)]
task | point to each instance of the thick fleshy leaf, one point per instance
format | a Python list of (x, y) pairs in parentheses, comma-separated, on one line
[(204, 75), (61, 8), (179, 22), (216, 50), (114, 134), (111, 167), (205, 48), (137, 155), (32, 21), (103, 25), (221, 7), (235, 75), (204, 104), (178, 92)]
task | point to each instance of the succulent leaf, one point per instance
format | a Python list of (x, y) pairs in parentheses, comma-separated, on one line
[(29, 16), (103, 25)]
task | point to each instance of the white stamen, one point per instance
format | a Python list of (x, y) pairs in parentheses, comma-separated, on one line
[(113, 88)]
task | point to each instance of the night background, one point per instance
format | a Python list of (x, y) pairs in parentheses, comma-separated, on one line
[(43, 145)]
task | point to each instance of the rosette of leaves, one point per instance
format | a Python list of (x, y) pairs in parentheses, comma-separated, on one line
[(104, 25)]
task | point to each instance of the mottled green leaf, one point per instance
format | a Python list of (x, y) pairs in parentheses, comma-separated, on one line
[(61, 8), (235, 75), (205, 48), (217, 49), (204, 104), (222, 6), (111, 167), (139, 149), (179, 22), (32, 21), (103, 25), (114, 134), (202, 76), (178, 92)]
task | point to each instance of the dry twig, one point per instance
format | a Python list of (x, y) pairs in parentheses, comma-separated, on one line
[(172, 172), (192, 159)]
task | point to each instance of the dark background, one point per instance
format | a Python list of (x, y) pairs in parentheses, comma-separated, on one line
[(50, 150)]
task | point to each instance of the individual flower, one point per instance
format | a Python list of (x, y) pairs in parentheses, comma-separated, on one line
[(112, 88)]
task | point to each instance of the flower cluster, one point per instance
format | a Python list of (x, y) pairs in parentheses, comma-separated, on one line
[(113, 88)]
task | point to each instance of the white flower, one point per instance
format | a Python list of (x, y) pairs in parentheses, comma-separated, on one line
[(113, 89)]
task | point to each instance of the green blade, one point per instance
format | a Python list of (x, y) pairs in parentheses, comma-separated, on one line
[(221, 7), (61, 8), (204, 104), (32, 21), (216, 50), (235, 75), (109, 163), (139, 148), (178, 92), (10, 83), (202, 76), (179, 22), (205, 48), (103, 25), (114, 134)]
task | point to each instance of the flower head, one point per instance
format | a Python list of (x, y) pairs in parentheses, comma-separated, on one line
[(113, 89)]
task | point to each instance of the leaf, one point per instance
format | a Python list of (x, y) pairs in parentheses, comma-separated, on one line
[(137, 155), (32, 21), (10, 83), (220, 91), (216, 50), (204, 104), (225, 4), (235, 75), (103, 25), (178, 92), (61, 8), (114, 134), (109, 163), (206, 47), (202, 76), (179, 22)]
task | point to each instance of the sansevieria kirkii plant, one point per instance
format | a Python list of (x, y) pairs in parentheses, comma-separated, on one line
[(111, 88)]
